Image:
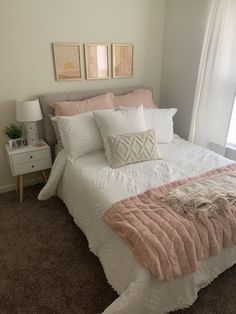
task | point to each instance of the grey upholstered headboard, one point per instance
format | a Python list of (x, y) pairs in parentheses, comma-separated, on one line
[(47, 99)]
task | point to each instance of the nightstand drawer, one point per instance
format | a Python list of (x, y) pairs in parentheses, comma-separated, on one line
[(28, 167), (30, 156)]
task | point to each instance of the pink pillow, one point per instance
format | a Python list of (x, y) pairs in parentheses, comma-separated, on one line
[(135, 98), (71, 108)]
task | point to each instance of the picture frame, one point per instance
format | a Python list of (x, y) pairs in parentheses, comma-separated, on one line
[(97, 61), (122, 60), (17, 143), (67, 61)]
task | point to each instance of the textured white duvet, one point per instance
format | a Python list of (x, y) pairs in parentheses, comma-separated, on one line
[(88, 186)]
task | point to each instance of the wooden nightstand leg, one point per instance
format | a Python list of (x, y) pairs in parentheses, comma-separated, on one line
[(44, 175), (17, 183), (21, 188)]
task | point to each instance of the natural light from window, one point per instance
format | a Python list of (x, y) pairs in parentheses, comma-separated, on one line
[(231, 140)]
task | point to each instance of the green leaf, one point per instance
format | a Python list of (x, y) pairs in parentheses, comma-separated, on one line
[(13, 131)]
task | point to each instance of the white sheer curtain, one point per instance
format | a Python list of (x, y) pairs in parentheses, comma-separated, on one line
[(216, 85)]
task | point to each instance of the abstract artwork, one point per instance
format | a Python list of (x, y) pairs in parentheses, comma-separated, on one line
[(122, 60), (67, 61), (97, 61)]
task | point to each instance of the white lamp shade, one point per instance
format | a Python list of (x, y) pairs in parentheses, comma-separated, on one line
[(28, 111)]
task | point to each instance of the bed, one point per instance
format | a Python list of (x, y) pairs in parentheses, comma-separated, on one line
[(89, 187)]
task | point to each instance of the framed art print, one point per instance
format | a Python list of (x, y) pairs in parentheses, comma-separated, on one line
[(67, 61), (97, 61), (122, 60)]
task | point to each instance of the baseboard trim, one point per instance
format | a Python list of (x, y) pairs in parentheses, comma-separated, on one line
[(12, 187)]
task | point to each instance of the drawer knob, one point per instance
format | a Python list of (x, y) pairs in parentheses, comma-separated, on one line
[(32, 166)]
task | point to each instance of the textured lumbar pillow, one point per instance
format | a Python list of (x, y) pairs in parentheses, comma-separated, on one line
[(119, 122), (132, 148)]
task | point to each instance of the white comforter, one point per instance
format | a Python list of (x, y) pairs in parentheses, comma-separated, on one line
[(88, 186)]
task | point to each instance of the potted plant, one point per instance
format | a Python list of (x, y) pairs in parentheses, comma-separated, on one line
[(14, 133)]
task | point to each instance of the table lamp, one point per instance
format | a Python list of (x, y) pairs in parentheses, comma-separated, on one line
[(29, 112)]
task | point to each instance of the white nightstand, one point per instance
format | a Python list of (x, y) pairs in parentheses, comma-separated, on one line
[(28, 159)]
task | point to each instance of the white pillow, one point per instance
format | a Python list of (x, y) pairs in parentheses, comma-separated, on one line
[(119, 122), (59, 146), (79, 134), (161, 120)]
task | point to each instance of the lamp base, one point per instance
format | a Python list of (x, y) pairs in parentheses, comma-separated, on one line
[(32, 134)]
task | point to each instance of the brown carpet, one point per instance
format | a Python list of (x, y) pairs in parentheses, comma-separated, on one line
[(46, 266)]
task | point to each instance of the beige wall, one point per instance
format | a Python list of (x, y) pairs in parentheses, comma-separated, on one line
[(183, 38), (28, 27)]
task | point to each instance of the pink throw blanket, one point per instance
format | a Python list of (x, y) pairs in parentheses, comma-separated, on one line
[(168, 241)]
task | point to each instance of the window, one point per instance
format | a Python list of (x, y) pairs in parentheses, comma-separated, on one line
[(231, 140)]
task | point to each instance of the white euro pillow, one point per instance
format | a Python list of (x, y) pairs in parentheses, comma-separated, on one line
[(79, 134), (59, 146), (119, 122), (159, 119)]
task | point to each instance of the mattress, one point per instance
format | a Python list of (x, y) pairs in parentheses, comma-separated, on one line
[(89, 187)]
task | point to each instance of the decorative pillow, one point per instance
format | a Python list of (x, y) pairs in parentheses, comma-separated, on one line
[(135, 98), (161, 120), (119, 122), (71, 108), (132, 148), (80, 134), (59, 145)]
